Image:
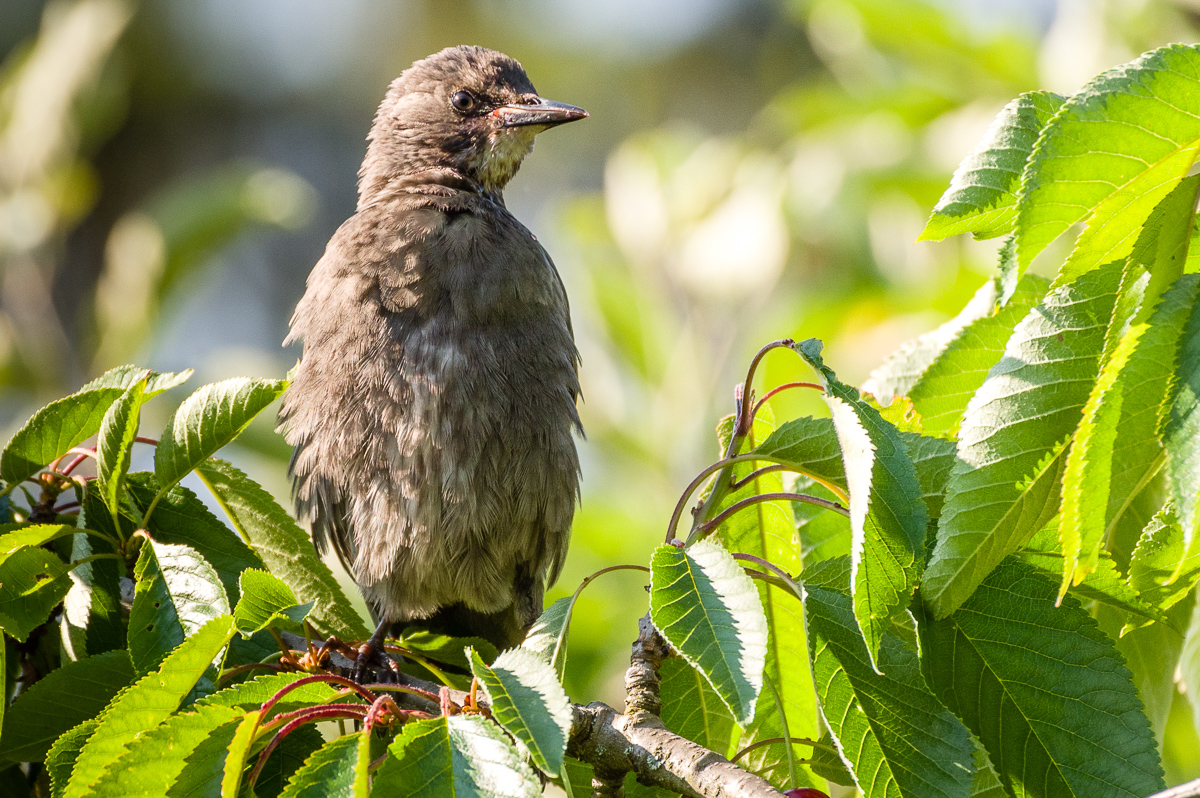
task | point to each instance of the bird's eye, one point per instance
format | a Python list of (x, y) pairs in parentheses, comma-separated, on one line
[(463, 101)]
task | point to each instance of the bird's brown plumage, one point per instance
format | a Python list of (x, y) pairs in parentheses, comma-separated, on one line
[(433, 411)]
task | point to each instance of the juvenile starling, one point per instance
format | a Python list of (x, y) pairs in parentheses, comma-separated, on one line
[(433, 411)]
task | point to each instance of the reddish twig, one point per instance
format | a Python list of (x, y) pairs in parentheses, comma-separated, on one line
[(721, 517)]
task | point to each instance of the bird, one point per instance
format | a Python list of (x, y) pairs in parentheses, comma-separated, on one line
[(433, 413)]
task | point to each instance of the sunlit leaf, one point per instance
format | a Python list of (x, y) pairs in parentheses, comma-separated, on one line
[(153, 762), (267, 601), (1027, 676), (336, 770), (1111, 153), (899, 739), (1118, 446), (945, 387), (177, 593), (148, 702), (528, 701), (461, 756), (709, 610), (206, 421), (982, 195), (285, 548), (902, 369), (768, 530), (1005, 484), (887, 512), (114, 443)]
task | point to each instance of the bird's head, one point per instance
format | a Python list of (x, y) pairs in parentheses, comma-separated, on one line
[(466, 110)]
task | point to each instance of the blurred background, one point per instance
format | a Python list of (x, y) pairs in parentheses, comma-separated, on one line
[(170, 170)]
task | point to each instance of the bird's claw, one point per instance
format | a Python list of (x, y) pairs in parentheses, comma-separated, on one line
[(373, 665)]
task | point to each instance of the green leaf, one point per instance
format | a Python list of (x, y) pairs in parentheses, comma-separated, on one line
[(52, 431), (897, 737), (256, 692), (1189, 665), (267, 601), (17, 536), (177, 593), (114, 443), (1161, 570), (59, 701), (547, 638), (691, 708), (1043, 689), (1104, 583), (708, 609), (945, 387), (208, 420), (528, 701), (153, 762), (887, 512), (1118, 448), (461, 756), (982, 197), (337, 770), (61, 758), (445, 648), (823, 534), (183, 519), (768, 530), (807, 446), (1112, 151), (123, 378), (285, 760), (1005, 485), (284, 547), (148, 702), (902, 369), (70, 421), (1151, 652), (1181, 436), (32, 583)]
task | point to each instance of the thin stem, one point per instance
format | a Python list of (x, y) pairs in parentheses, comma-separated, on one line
[(83, 455), (240, 669), (62, 508), (320, 677), (285, 648), (698, 481), (783, 575), (89, 558), (424, 662), (776, 741), (742, 427), (140, 439), (719, 518), (401, 688), (753, 475), (287, 717), (781, 388), (319, 713), (787, 735)]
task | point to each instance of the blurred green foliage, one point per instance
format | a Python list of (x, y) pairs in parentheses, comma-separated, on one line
[(766, 177)]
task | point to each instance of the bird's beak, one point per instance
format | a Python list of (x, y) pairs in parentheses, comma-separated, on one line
[(546, 113)]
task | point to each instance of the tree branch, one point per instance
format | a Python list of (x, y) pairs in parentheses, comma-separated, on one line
[(611, 742), (1189, 789), (642, 680)]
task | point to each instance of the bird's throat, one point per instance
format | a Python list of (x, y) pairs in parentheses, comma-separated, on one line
[(495, 163)]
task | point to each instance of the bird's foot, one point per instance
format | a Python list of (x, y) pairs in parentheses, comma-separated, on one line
[(373, 665)]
